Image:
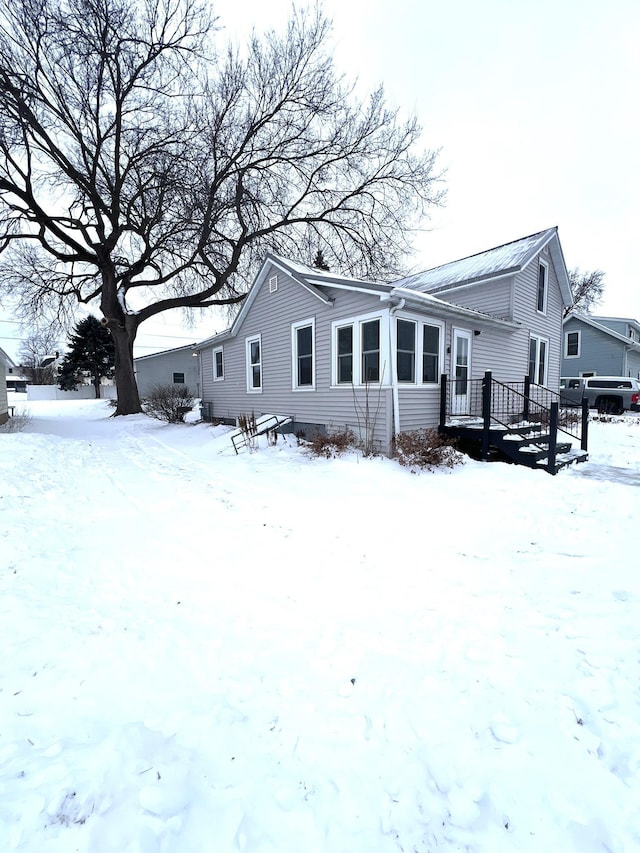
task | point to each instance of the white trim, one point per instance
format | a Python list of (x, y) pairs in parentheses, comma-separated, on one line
[(303, 324), (566, 343), (273, 284), (220, 350), (249, 372), (539, 339), (420, 322)]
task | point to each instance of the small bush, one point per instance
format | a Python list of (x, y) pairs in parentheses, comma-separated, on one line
[(17, 422), (426, 448), (330, 445), (168, 403)]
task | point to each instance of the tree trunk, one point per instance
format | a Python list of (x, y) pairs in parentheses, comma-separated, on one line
[(96, 386), (128, 399)]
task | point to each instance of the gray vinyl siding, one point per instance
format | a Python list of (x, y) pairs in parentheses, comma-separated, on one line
[(493, 297), (547, 325), (600, 353), (271, 316), (159, 369)]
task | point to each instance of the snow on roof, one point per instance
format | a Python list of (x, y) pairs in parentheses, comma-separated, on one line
[(510, 257)]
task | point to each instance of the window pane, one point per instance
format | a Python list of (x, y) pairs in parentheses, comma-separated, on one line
[(255, 352), (345, 368), (218, 364), (305, 370), (371, 336), (371, 366), (542, 287), (178, 378), (542, 362), (406, 335), (572, 343), (305, 341), (345, 340), (406, 365), (255, 376), (533, 348), (430, 353)]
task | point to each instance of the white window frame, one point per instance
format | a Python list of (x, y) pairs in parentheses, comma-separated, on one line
[(303, 324), (566, 343), (249, 365), (539, 340), (420, 323), (217, 350), (385, 349), (542, 265)]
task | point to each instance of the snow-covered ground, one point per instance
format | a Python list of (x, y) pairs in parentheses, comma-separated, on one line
[(207, 653)]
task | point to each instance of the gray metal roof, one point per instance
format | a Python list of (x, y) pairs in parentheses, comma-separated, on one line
[(502, 260)]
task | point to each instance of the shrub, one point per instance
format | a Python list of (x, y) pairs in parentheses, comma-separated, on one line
[(17, 422), (330, 445), (426, 448), (168, 403)]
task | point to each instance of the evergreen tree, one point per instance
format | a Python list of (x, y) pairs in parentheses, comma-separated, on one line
[(319, 263), (91, 351)]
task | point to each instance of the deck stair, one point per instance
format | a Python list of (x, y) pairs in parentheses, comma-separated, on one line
[(518, 422)]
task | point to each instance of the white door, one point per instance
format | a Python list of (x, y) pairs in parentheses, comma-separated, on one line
[(460, 371)]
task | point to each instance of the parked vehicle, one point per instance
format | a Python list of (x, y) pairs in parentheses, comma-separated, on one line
[(610, 394)]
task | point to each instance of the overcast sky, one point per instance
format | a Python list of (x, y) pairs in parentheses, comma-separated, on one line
[(535, 105)]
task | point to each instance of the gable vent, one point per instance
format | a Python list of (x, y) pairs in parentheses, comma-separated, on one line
[(273, 284)]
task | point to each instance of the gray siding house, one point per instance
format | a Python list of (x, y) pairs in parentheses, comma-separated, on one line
[(602, 346), (332, 352), (170, 367), (5, 364)]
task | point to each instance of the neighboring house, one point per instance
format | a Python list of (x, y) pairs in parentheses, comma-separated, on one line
[(170, 367), (6, 364), (330, 352), (601, 346)]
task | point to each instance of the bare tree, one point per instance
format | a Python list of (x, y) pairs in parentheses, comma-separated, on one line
[(142, 170), (38, 355), (586, 288)]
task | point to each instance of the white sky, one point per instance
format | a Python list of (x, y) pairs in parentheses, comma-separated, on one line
[(535, 108)]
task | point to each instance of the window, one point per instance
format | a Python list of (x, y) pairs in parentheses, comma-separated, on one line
[(218, 365), (370, 337), (538, 348), (254, 363), (178, 378), (345, 354), (302, 340), (572, 344), (543, 276), (406, 350), (430, 353)]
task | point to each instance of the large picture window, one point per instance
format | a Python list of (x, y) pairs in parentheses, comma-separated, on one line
[(254, 363), (302, 342)]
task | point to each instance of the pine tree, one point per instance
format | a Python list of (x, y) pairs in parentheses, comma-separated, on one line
[(319, 262), (91, 351)]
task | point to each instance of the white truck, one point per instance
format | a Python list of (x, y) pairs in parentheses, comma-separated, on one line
[(611, 394)]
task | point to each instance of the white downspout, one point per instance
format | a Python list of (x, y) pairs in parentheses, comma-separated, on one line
[(393, 351)]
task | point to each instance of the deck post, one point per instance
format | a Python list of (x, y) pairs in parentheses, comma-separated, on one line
[(527, 398), (486, 415), (553, 437), (585, 424), (443, 401)]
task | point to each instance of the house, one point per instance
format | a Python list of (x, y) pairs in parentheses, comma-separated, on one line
[(331, 352), (170, 367), (6, 364), (601, 346)]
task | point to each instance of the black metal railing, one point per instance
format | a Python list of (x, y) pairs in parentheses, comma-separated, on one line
[(511, 405)]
